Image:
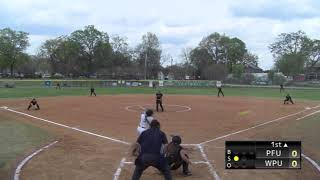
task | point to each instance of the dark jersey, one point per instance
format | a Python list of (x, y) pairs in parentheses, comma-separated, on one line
[(288, 97), (92, 89), (173, 153), (34, 102), (151, 141), (159, 96)]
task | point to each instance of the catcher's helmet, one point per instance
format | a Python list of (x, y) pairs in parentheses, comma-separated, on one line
[(176, 139)]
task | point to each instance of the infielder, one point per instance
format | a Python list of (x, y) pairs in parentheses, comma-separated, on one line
[(281, 88), (145, 120), (159, 96), (219, 86), (92, 92), (288, 99), (34, 103)]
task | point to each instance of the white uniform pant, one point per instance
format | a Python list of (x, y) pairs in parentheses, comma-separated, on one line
[(140, 130)]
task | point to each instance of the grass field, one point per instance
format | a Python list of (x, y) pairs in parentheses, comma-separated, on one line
[(17, 138), (310, 94)]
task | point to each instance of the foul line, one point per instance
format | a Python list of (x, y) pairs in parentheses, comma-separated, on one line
[(28, 158), (312, 162), (211, 169), (68, 127), (119, 169), (253, 127), (308, 115)]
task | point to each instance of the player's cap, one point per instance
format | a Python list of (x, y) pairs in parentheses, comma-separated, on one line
[(176, 139)]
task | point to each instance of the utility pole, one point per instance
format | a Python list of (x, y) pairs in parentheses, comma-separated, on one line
[(171, 61), (145, 66)]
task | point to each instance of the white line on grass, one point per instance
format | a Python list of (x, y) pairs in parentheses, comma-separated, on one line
[(308, 115), (24, 161), (211, 169), (312, 162), (118, 172), (253, 127), (68, 127)]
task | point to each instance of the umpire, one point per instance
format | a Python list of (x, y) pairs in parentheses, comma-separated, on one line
[(151, 142)]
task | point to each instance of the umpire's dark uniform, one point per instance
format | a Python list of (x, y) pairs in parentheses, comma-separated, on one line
[(151, 142)]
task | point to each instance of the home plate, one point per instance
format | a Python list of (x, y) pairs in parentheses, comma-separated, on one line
[(308, 108)]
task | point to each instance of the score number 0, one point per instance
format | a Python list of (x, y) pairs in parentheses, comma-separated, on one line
[(294, 154)]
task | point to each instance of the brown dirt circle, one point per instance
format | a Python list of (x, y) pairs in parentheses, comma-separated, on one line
[(81, 156)]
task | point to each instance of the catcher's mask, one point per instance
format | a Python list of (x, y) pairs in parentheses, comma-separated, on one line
[(176, 140)]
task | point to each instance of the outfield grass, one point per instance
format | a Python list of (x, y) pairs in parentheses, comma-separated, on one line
[(310, 94), (17, 138)]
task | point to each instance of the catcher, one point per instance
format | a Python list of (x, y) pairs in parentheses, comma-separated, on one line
[(34, 103), (176, 156)]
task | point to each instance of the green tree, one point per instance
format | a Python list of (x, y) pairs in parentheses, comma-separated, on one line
[(12, 47), (292, 52), (94, 47), (149, 50), (235, 52), (314, 55), (250, 58), (121, 53), (200, 58), (291, 43), (220, 49), (291, 64), (238, 70)]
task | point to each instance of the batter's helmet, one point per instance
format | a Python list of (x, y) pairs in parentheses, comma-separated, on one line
[(149, 112)]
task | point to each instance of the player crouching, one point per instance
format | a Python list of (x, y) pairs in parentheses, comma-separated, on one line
[(145, 120), (34, 103), (176, 156), (288, 99)]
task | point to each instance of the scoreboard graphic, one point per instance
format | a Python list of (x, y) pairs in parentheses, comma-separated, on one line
[(263, 155)]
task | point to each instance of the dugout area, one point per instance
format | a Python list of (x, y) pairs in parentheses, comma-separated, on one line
[(204, 123)]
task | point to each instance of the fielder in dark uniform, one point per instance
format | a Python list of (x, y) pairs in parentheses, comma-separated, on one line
[(288, 99), (220, 91), (151, 142), (159, 96), (177, 156), (281, 88), (92, 92), (58, 86), (34, 103)]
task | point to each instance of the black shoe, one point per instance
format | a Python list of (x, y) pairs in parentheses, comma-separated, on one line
[(187, 173)]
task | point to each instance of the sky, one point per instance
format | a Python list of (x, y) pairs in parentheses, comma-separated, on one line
[(177, 23)]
